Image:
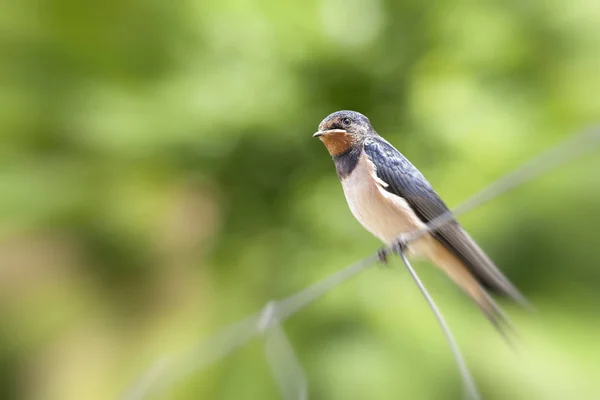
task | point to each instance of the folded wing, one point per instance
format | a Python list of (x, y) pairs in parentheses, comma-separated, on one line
[(406, 181)]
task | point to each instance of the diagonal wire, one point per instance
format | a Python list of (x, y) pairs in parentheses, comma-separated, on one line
[(168, 371), (292, 304), (573, 147), (285, 366), (280, 354), (165, 373), (468, 381)]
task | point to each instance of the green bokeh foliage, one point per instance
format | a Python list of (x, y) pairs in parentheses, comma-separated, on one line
[(159, 181)]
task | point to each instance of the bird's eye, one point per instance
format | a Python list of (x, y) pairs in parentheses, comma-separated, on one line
[(347, 121)]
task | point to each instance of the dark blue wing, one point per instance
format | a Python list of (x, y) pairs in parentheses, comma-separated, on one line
[(406, 181)]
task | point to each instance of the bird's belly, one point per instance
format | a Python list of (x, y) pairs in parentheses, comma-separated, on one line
[(384, 214)]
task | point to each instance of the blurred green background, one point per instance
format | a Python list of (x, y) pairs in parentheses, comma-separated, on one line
[(159, 181)]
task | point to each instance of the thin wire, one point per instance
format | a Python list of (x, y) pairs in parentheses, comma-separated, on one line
[(236, 335), (153, 379), (572, 147), (285, 365), (292, 304), (468, 381), (223, 343), (168, 371)]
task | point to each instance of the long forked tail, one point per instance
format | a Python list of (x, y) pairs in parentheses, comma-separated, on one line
[(461, 275)]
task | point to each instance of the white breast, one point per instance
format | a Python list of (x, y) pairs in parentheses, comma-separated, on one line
[(383, 214)]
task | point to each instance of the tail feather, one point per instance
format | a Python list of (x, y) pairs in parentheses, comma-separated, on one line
[(462, 276), (498, 318), (458, 242)]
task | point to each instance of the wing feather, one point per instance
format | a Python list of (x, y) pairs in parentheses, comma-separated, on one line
[(404, 180)]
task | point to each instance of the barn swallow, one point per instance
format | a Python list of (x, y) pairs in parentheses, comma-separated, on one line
[(390, 197)]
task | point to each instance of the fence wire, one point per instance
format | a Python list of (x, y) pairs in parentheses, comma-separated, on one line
[(285, 366)]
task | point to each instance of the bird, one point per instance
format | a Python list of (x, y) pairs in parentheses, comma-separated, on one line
[(390, 197)]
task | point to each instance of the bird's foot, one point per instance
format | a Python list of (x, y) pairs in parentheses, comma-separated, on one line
[(400, 246), (382, 255)]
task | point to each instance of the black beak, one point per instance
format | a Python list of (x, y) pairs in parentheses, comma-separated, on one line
[(327, 132)]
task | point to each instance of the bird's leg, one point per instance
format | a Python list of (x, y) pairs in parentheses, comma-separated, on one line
[(400, 245), (382, 255)]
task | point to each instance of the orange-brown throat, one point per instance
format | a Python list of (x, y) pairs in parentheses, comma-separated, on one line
[(337, 142)]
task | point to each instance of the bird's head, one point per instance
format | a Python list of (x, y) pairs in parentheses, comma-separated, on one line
[(342, 130)]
